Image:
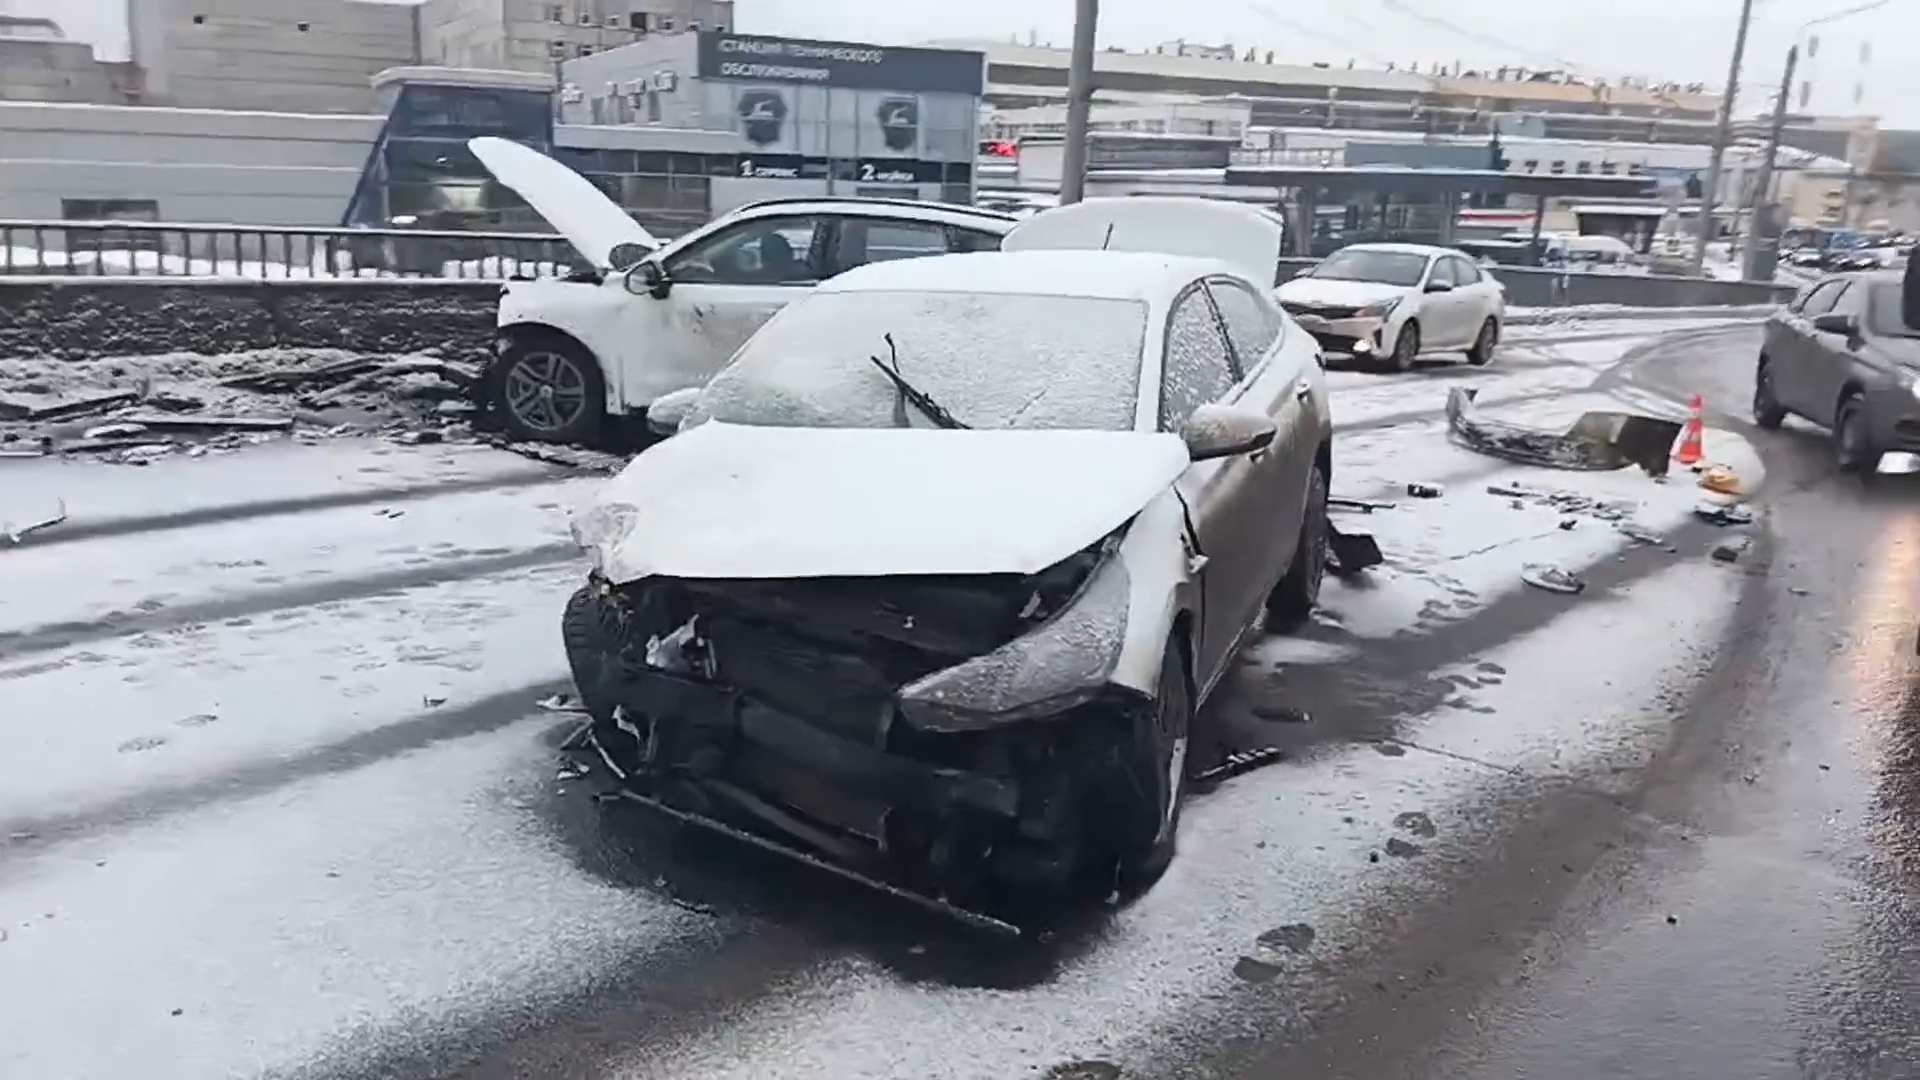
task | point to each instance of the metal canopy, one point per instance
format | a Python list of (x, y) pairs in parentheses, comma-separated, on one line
[(1442, 181)]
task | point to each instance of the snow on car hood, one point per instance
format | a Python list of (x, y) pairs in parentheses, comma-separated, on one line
[(738, 501), (1307, 290), (1247, 238), (575, 208)]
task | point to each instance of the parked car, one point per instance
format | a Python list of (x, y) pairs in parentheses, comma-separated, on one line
[(657, 317), (935, 576), (1841, 356), (1393, 302)]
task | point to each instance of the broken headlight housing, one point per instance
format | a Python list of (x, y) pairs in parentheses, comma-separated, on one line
[(600, 528), (1062, 664), (1379, 309)]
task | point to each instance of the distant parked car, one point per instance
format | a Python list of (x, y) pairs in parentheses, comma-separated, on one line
[(1841, 356), (1395, 301), (657, 317)]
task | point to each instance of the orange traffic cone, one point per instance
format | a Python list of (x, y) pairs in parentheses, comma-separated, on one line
[(1691, 452)]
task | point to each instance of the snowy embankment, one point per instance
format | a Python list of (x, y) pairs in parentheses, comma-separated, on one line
[(247, 758), (1527, 316)]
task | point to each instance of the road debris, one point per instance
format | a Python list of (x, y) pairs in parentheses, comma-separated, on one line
[(1350, 553), (1400, 849), (1598, 441), (1364, 506), (1293, 937), (1552, 579), (1423, 491), (12, 408), (1255, 971), (1239, 763), (1723, 513), (1722, 481), (16, 533)]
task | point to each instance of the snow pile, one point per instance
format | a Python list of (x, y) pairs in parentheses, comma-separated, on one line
[(1519, 316)]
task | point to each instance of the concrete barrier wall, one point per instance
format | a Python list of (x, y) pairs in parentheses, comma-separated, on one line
[(84, 318), (138, 317), (1530, 287)]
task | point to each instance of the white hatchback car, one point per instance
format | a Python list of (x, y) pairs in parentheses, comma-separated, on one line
[(1397, 301), (654, 318)]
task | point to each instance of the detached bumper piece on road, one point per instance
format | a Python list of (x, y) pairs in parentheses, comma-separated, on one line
[(1598, 441), (764, 710)]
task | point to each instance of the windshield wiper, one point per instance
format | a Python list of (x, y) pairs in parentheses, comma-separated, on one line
[(940, 417)]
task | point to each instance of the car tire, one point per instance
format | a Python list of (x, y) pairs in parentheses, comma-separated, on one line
[(1768, 413), (1852, 447), (1406, 347), (1160, 754), (548, 388), (584, 637), (1480, 354), (1292, 601)]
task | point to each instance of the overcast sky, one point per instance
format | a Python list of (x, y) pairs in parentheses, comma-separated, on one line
[(1680, 40)]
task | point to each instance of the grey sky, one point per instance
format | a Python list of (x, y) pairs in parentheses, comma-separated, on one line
[(1681, 40)]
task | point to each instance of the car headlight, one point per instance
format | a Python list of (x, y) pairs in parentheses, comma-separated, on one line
[(1379, 309), (601, 528), (1063, 664)]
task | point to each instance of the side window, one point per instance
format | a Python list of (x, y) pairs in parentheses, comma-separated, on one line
[(964, 240), (1252, 326), (1821, 299), (765, 251), (865, 240), (1197, 368), (1464, 272), (1852, 301), (1440, 271)]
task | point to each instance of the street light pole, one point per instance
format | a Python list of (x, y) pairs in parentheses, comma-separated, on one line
[(1721, 132), (1762, 191), (1073, 160)]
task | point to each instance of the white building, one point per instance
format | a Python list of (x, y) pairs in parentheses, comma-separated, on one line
[(536, 35), (291, 55)]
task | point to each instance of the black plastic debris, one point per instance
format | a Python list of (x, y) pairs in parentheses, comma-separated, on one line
[(1417, 823), (1350, 553), (1364, 506), (1598, 441), (1400, 849), (1255, 971), (1723, 514), (1552, 579), (1424, 491), (1241, 762)]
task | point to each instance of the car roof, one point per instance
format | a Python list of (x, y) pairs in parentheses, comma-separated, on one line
[(1402, 249), (1105, 275), (909, 209)]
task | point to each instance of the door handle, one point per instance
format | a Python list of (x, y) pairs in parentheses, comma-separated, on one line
[(1303, 391)]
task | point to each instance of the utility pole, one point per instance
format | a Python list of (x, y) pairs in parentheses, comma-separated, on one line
[(1721, 132), (1763, 191), (1073, 160)]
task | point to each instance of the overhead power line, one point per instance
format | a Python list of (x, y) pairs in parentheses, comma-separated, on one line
[(1402, 8)]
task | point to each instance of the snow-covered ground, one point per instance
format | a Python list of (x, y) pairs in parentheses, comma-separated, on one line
[(276, 793), (18, 262)]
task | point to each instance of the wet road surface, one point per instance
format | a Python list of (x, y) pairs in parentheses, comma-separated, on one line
[(1751, 908), (312, 826)]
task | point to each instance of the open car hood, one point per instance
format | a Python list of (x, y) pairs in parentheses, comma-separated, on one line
[(735, 501), (1248, 238), (576, 209)]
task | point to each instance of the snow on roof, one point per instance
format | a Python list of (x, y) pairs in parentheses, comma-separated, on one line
[(1399, 249), (1105, 275), (1170, 66)]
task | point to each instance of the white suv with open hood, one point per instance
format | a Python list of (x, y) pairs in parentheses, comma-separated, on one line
[(659, 317)]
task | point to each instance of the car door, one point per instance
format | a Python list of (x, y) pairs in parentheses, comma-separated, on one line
[(1222, 496), (1273, 381), (1793, 351), (1439, 311), (1830, 356), (721, 288), (1478, 293)]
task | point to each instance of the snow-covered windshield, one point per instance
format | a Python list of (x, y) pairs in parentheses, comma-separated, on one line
[(1386, 267), (992, 360)]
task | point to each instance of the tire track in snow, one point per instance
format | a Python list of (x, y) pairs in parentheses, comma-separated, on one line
[(77, 530), (56, 636)]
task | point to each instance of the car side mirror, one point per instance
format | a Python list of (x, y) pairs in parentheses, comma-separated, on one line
[(1219, 431), (668, 411), (1439, 286), (1834, 322), (649, 278)]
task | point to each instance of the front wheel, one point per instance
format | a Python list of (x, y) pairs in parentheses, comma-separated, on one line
[(1406, 346), (1854, 451), (1768, 413), (1481, 353), (1160, 759), (1291, 602), (549, 389)]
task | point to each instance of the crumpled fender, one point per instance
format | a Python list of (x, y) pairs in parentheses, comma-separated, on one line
[(1161, 589), (1597, 441)]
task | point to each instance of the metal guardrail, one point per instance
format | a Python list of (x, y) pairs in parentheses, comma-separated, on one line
[(168, 249)]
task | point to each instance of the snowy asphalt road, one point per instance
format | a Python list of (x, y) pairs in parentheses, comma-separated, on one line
[(276, 796)]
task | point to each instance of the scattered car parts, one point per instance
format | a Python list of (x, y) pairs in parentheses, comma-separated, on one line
[(1598, 441)]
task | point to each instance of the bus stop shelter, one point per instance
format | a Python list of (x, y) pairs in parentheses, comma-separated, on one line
[(1307, 188)]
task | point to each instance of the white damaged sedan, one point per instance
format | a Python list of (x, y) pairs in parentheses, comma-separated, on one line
[(935, 576)]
